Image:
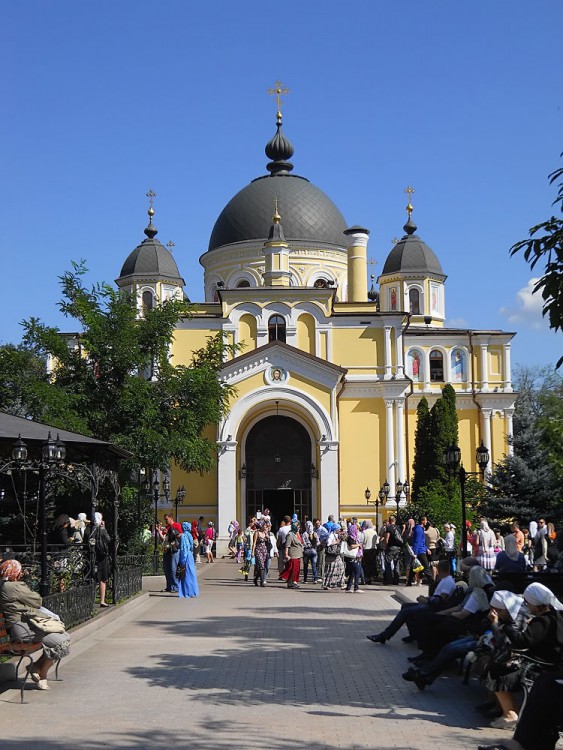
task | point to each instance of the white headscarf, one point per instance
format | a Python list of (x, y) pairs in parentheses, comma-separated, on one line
[(538, 595), (97, 518), (509, 601)]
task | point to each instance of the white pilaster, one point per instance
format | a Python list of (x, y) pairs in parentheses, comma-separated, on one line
[(484, 367), (328, 476), (227, 491), (390, 435), (399, 350), (509, 414), (487, 415), (400, 430), (388, 363), (507, 369)]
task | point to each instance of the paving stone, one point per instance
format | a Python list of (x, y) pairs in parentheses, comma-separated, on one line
[(244, 667)]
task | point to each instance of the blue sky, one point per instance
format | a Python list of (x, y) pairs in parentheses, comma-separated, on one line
[(105, 100)]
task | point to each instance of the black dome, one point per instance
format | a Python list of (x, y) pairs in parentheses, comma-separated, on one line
[(151, 259), (307, 213), (412, 255)]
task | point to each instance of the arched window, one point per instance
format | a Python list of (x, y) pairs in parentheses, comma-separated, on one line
[(276, 328), (148, 301), (436, 366), (416, 367), (414, 301), (320, 284), (243, 283)]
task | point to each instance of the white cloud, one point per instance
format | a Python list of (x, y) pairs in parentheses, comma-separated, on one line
[(528, 308)]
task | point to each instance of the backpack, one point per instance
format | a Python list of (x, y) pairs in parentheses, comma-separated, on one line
[(98, 543), (172, 541), (395, 536)]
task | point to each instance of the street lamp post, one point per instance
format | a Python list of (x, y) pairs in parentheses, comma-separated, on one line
[(53, 453), (155, 486), (400, 488), (179, 500), (452, 460)]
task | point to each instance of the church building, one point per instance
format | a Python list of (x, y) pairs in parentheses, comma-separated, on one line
[(333, 366)]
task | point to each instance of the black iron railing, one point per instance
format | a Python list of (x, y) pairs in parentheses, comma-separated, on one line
[(73, 606)]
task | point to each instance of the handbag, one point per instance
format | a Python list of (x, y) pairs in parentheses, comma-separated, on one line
[(333, 549), (348, 552), (44, 625), (181, 571)]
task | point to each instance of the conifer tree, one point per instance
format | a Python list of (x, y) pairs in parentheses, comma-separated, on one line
[(421, 464)]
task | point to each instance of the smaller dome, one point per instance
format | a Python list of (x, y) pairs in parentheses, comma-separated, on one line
[(151, 260), (412, 255)]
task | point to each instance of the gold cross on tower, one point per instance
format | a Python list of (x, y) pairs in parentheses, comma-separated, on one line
[(277, 92), (151, 195), (409, 191)]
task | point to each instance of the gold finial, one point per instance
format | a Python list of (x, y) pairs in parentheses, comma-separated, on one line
[(276, 218), (372, 277), (277, 92), (409, 191), (170, 245), (372, 261), (151, 195)]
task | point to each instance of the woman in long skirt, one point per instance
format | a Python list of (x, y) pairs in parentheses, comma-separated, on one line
[(334, 564), (187, 586), (293, 555)]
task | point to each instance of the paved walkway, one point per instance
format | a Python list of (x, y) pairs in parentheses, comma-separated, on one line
[(243, 667)]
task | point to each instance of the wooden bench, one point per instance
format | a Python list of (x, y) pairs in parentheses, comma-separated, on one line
[(21, 649)]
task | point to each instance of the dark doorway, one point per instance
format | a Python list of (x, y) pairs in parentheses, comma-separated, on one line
[(278, 461), (279, 503)]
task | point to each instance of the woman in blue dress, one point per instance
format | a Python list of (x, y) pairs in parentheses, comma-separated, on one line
[(187, 586)]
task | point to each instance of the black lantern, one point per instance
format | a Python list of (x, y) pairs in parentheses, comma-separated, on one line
[(482, 455), (386, 488), (452, 457), (399, 488), (19, 450), (60, 449), (406, 488), (49, 450), (367, 493), (381, 494), (242, 472), (166, 486)]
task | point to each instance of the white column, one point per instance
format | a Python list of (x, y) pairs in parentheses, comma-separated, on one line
[(426, 373), (399, 350), (507, 369), (484, 368), (328, 477), (390, 433), (487, 414), (509, 414), (226, 491), (387, 331), (400, 429)]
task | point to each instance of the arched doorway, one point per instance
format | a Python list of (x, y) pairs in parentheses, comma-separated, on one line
[(278, 462)]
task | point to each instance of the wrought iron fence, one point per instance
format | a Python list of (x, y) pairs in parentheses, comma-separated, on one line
[(73, 606), (127, 578)]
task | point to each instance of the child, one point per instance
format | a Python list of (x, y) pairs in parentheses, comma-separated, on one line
[(239, 541)]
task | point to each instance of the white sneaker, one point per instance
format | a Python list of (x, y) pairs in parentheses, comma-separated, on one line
[(42, 685), (359, 591)]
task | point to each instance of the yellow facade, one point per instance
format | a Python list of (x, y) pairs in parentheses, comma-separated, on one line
[(328, 378)]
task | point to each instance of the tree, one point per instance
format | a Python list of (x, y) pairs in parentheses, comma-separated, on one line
[(546, 244), (528, 484), (115, 380), (422, 439)]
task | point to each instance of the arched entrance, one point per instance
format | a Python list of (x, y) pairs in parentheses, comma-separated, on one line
[(278, 461)]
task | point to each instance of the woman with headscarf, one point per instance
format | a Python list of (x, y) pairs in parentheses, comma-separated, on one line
[(99, 541), (355, 565), (510, 560), (62, 528), (509, 608), (293, 553), (17, 601), (486, 556), (466, 617), (187, 586), (334, 564), (260, 553), (543, 639)]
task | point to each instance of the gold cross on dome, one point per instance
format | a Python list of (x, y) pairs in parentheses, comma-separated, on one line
[(409, 191), (170, 245), (277, 92), (151, 195)]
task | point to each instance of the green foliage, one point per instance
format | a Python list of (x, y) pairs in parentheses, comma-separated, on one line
[(435, 432), (114, 379), (529, 483), (546, 245), (441, 503), (422, 441)]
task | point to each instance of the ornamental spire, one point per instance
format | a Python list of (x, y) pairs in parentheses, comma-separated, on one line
[(150, 230), (410, 227), (279, 149)]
